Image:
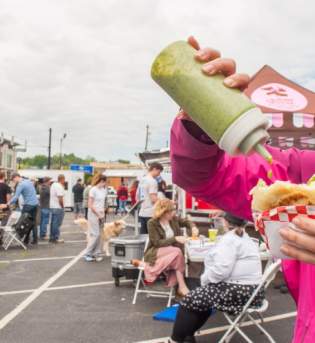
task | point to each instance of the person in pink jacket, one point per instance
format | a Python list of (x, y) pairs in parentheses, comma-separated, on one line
[(208, 173)]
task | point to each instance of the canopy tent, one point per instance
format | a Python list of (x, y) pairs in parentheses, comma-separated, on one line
[(289, 107)]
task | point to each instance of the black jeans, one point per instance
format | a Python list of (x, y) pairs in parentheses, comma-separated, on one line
[(32, 211), (187, 323), (144, 224)]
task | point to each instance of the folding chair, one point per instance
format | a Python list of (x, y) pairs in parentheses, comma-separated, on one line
[(150, 292), (264, 255), (248, 312), (10, 234)]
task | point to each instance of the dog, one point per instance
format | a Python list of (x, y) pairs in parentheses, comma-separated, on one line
[(83, 223), (108, 231), (111, 230)]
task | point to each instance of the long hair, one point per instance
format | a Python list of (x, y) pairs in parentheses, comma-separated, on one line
[(97, 178), (163, 206)]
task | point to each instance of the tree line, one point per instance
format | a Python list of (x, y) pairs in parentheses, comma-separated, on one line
[(40, 161)]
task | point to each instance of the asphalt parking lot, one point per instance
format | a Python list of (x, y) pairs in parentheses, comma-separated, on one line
[(50, 294)]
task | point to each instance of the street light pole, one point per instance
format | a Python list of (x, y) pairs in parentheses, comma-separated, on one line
[(60, 157), (49, 151)]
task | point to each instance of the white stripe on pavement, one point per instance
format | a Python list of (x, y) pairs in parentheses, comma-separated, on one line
[(65, 242), (17, 292), (72, 232), (225, 327), (80, 285), (34, 295), (38, 259), (92, 284)]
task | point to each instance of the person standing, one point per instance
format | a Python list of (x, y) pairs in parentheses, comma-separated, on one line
[(77, 191), (148, 193), (5, 195), (122, 195), (44, 203), (57, 194), (86, 199), (96, 215), (133, 192), (25, 188)]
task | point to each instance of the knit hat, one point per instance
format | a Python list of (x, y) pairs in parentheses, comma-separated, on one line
[(235, 221)]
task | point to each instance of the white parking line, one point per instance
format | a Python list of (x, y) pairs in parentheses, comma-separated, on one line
[(72, 232), (34, 295), (65, 242), (83, 285), (80, 285), (38, 259), (77, 241), (225, 327)]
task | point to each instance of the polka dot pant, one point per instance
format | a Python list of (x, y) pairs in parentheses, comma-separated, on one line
[(225, 297)]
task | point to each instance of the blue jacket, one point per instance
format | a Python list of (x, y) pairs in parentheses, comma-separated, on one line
[(28, 192)]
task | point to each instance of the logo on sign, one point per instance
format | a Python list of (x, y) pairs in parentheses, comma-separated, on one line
[(279, 97)]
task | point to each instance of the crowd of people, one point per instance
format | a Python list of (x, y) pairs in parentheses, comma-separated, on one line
[(44, 200)]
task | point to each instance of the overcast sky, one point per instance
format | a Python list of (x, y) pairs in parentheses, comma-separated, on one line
[(83, 66)]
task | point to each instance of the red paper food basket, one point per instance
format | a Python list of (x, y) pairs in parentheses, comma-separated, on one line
[(268, 223)]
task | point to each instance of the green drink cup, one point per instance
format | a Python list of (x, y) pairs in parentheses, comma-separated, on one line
[(226, 115)]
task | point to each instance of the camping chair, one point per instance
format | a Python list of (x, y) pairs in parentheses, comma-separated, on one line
[(10, 234), (144, 288), (248, 311)]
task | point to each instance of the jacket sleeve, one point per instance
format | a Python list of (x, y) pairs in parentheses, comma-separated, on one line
[(17, 194), (205, 171), (155, 238)]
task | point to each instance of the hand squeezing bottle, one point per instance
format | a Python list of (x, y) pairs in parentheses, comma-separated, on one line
[(226, 115)]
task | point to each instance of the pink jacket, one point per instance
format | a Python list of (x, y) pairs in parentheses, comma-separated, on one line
[(208, 173)]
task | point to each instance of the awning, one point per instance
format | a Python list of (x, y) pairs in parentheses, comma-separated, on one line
[(299, 120)]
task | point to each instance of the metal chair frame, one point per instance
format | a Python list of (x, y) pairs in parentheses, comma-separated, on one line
[(10, 234), (150, 292), (247, 312)]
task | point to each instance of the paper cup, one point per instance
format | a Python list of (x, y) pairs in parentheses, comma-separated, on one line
[(270, 222), (273, 239)]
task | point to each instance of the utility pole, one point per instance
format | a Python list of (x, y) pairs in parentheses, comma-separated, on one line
[(49, 151), (147, 135)]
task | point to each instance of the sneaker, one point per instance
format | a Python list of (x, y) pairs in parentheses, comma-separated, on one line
[(45, 238), (60, 240), (89, 259), (99, 259)]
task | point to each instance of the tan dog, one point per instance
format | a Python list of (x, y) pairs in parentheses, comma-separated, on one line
[(83, 223), (109, 231)]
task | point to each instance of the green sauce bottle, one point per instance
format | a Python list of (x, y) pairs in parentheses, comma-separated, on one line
[(226, 115)]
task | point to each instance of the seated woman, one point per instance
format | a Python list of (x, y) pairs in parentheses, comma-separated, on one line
[(164, 253), (232, 272)]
